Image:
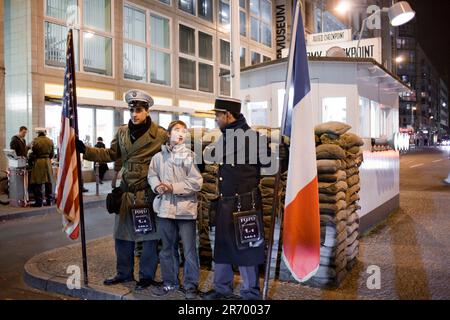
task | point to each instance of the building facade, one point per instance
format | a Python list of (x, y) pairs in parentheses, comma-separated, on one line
[(178, 50), (443, 113), (2, 90)]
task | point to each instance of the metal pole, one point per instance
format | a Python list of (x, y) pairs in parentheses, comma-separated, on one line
[(80, 175), (97, 178)]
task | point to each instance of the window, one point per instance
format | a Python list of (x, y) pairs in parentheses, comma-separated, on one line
[(196, 65), (187, 40), (92, 32), (62, 9), (165, 1), (205, 9), (56, 44), (165, 119), (97, 54), (138, 50), (242, 4), (225, 54), (225, 85), (242, 23), (256, 58), (160, 68), (187, 73), (134, 25), (375, 119), (97, 14), (334, 109), (205, 46), (257, 113), (187, 6), (243, 57), (265, 59), (205, 77), (134, 62), (261, 21), (224, 12)]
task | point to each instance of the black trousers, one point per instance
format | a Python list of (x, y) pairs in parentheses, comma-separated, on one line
[(37, 190)]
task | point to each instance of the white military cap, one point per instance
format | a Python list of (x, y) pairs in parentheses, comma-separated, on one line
[(40, 130), (132, 97)]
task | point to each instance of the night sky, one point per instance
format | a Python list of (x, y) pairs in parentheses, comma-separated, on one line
[(433, 24)]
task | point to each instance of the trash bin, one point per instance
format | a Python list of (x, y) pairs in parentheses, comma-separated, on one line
[(18, 179)]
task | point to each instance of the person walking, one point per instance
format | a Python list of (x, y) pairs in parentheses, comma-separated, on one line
[(102, 167)]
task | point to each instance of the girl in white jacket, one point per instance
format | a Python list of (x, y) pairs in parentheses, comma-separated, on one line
[(174, 176)]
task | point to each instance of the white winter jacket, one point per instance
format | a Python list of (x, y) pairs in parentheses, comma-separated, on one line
[(175, 165)]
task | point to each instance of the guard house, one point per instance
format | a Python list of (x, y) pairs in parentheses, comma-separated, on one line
[(356, 91)]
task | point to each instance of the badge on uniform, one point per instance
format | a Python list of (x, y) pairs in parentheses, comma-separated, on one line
[(143, 221), (248, 227)]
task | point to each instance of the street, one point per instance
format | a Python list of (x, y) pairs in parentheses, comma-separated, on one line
[(423, 195), (23, 238)]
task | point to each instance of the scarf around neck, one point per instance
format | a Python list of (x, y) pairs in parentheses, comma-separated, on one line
[(137, 131)]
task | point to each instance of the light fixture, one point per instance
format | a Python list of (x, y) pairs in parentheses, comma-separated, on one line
[(343, 7), (88, 35), (400, 13), (399, 59), (431, 118)]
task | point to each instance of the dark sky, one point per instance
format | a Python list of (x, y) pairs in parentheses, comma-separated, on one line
[(433, 24)]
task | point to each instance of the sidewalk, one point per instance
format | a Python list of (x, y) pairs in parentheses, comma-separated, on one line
[(411, 249), (90, 200)]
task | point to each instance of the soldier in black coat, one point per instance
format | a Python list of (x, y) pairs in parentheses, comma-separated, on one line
[(103, 167), (239, 177)]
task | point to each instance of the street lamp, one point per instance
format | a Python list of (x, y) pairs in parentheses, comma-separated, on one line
[(343, 7), (399, 14)]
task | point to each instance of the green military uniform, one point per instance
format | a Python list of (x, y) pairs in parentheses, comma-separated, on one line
[(134, 159), (41, 171)]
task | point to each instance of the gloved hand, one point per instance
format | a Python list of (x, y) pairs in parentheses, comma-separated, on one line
[(81, 148)]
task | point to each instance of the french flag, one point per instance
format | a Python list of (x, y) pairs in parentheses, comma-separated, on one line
[(301, 228)]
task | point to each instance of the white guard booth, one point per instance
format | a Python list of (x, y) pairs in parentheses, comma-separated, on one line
[(356, 91)]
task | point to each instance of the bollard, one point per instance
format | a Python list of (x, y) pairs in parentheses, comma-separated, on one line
[(97, 179)]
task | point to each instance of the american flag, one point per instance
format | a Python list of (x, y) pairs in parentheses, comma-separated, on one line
[(67, 185)]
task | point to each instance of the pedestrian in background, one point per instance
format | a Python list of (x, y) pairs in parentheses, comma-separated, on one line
[(41, 172), (19, 144), (103, 166)]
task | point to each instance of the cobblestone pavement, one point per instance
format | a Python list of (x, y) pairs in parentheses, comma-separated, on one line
[(411, 249)]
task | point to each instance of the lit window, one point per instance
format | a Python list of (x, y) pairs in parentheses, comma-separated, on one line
[(225, 52), (97, 14), (97, 54), (134, 24), (224, 12), (134, 62), (56, 45)]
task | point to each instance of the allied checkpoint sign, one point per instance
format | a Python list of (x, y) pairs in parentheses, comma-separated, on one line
[(368, 48)]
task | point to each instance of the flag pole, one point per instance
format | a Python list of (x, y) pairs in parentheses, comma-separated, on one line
[(275, 201), (80, 176)]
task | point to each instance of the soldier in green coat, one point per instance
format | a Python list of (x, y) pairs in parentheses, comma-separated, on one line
[(132, 149), (41, 167)]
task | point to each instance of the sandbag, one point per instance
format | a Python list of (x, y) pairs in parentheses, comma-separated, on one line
[(331, 198), (328, 138), (340, 175), (329, 151), (353, 180), (332, 188), (350, 140), (333, 208), (341, 215), (333, 127)]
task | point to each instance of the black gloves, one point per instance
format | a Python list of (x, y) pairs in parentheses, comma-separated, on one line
[(81, 148)]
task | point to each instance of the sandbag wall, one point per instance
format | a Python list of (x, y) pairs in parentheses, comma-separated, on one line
[(338, 159)]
